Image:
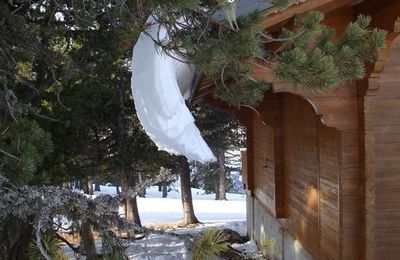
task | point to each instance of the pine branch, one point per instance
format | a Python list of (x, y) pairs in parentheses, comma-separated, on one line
[(10, 155), (73, 248), (285, 39), (165, 175)]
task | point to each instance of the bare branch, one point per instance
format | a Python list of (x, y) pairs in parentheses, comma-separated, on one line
[(165, 175), (73, 248), (39, 239)]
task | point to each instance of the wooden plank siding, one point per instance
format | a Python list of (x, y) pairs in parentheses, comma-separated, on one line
[(309, 178), (339, 109), (301, 167), (329, 191), (386, 157), (264, 180)]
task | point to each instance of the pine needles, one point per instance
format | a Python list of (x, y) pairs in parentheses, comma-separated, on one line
[(210, 245), (26, 145), (317, 62), (51, 245)]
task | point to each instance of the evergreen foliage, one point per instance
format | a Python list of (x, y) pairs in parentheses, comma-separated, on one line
[(309, 55), (57, 56), (210, 245), (24, 146), (227, 56), (318, 62), (62, 66), (229, 7), (51, 245), (282, 4)]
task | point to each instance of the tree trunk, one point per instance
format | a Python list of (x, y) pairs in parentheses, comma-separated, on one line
[(215, 177), (127, 181), (17, 236), (164, 189), (222, 176), (117, 189), (85, 186), (86, 231), (131, 209), (90, 186), (97, 186), (142, 192), (187, 201), (88, 240), (77, 185)]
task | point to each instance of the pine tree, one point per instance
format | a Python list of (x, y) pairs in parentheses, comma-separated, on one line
[(57, 76), (222, 132)]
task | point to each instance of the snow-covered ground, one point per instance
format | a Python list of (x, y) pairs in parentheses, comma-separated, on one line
[(155, 209), (168, 247), (165, 247)]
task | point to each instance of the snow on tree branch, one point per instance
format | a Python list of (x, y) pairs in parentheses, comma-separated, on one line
[(42, 205)]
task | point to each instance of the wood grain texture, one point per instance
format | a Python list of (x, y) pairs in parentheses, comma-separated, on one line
[(264, 167), (386, 157), (310, 179)]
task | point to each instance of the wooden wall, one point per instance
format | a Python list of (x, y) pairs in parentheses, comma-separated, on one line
[(383, 158), (301, 167), (329, 192), (312, 170), (308, 181), (387, 170), (264, 179), (265, 140)]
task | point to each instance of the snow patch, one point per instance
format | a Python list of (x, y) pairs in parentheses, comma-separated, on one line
[(158, 82)]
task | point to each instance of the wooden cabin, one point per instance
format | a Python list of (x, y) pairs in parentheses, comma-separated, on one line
[(322, 173)]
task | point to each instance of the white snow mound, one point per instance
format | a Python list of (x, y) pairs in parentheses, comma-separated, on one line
[(158, 85)]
